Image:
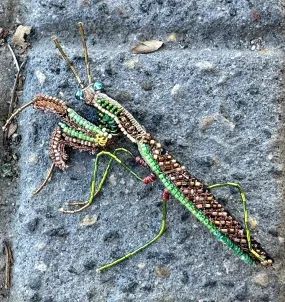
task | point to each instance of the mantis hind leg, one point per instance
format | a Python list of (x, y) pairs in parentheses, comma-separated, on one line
[(245, 212), (94, 189), (48, 177), (131, 254)]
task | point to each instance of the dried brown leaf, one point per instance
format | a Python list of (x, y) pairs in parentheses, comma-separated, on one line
[(20, 35), (147, 46), (11, 130)]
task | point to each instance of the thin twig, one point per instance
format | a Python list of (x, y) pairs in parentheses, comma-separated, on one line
[(9, 263), (13, 97), (14, 57)]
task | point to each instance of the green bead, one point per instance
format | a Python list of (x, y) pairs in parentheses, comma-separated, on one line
[(79, 95), (106, 118), (165, 181), (98, 86), (175, 190)]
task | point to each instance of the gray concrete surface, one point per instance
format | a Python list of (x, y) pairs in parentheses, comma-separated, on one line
[(213, 97)]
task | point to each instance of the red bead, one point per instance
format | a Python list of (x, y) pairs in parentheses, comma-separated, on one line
[(165, 195), (141, 162), (149, 179)]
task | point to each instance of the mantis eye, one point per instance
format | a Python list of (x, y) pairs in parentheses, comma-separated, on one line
[(79, 95), (98, 86)]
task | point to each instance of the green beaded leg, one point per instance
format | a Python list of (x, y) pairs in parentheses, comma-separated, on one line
[(131, 254), (245, 212), (94, 190)]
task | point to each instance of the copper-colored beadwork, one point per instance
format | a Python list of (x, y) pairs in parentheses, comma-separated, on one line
[(201, 197), (50, 104), (56, 149)]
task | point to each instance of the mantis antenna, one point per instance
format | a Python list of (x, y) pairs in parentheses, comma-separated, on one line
[(69, 63), (87, 64)]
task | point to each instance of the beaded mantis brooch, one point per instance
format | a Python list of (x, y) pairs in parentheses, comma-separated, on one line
[(78, 133)]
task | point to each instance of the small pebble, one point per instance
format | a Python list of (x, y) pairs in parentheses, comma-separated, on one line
[(40, 246), (175, 89), (113, 179), (88, 220), (132, 64), (252, 223), (261, 279), (40, 76), (172, 37), (177, 92), (207, 122), (205, 66), (162, 271), (33, 159), (41, 266)]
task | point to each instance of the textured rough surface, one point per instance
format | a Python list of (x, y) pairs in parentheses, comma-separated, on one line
[(213, 98), (8, 159)]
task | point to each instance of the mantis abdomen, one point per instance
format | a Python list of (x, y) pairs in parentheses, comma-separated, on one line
[(197, 197)]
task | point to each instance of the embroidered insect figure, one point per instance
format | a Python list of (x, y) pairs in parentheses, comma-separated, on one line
[(75, 131)]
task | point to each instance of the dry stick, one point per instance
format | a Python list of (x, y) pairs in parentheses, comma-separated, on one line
[(13, 96), (9, 263), (14, 57), (16, 79)]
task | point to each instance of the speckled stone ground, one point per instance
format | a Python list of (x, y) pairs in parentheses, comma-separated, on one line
[(212, 97)]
